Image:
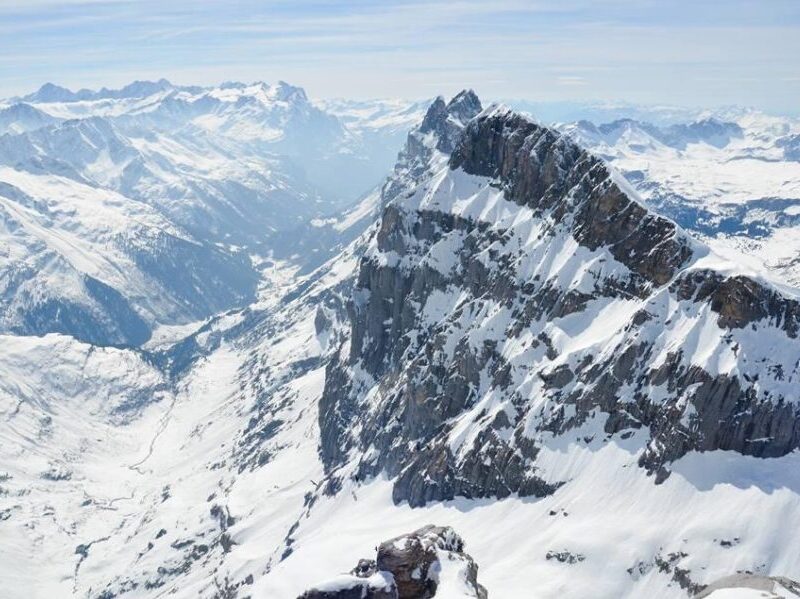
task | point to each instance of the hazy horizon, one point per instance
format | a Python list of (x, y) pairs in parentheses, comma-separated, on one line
[(567, 109), (694, 54)]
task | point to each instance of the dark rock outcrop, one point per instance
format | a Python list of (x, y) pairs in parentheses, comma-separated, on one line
[(739, 300), (408, 567)]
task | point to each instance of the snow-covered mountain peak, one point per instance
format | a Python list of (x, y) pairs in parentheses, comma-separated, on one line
[(49, 92), (526, 249), (262, 92), (285, 92), (135, 89)]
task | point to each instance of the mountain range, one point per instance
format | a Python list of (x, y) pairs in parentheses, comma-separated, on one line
[(158, 206), (235, 360)]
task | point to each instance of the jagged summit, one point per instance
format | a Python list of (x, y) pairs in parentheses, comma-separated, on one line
[(446, 120), (520, 290), (436, 113), (438, 132), (462, 107)]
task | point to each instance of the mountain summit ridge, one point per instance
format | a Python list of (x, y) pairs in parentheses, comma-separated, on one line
[(521, 226)]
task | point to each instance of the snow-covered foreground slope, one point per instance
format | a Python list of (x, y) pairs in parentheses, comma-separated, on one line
[(735, 181), (103, 452), (179, 468), (517, 348)]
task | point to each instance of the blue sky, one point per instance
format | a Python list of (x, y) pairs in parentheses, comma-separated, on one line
[(699, 53)]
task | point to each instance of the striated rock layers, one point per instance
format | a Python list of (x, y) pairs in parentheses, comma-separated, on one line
[(514, 290)]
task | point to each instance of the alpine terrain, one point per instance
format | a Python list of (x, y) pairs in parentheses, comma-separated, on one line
[(245, 357)]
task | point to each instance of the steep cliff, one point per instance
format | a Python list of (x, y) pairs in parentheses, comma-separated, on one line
[(516, 289)]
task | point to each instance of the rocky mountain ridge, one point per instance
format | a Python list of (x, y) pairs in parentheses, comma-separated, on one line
[(731, 180), (518, 290)]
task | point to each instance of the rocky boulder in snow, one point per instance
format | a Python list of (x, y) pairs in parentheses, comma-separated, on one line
[(411, 566)]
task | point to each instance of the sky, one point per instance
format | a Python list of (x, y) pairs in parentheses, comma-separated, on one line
[(700, 53)]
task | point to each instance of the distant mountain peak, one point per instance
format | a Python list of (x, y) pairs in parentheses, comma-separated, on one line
[(286, 92), (50, 92), (142, 88)]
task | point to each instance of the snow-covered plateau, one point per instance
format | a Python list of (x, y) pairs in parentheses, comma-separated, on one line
[(228, 374)]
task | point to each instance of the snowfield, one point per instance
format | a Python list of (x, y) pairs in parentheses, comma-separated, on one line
[(169, 467)]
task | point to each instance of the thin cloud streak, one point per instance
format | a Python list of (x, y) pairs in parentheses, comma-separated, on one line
[(635, 50)]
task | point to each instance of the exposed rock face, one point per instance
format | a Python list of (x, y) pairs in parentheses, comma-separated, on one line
[(517, 290), (411, 566), (415, 562), (446, 121), (739, 300), (547, 172)]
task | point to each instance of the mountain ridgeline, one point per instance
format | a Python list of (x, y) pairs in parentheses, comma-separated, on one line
[(155, 204), (515, 291)]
